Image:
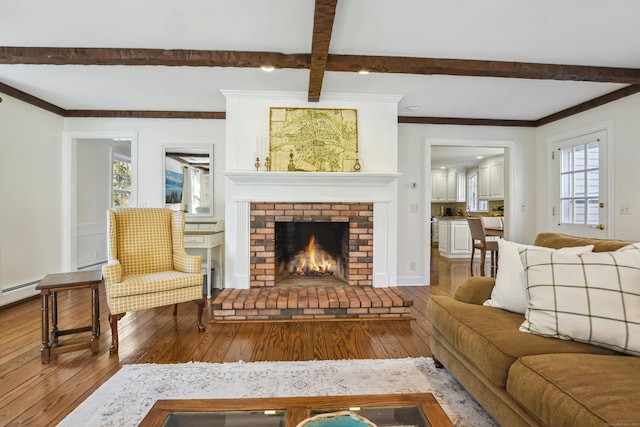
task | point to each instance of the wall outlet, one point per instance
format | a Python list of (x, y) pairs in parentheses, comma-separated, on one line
[(625, 210), (412, 266), (414, 208)]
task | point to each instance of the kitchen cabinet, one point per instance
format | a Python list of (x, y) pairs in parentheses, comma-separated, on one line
[(454, 240), (491, 179), (456, 185), (438, 186)]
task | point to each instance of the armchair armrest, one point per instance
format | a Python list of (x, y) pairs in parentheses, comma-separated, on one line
[(112, 272), (475, 290), (187, 263)]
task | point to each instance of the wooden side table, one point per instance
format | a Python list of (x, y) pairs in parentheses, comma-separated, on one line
[(49, 287)]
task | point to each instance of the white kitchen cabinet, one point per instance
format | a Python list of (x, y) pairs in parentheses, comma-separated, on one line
[(456, 185), (491, 179), (438, 186), (496, 176), (454, 240)]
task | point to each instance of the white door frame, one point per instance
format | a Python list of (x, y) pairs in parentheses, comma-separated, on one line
[(70, 187), (510, 148), (607, 127)]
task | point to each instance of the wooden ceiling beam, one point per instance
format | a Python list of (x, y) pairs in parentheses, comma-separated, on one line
[(176, 58), (588, 105), (147, 114), (325, 12), (30, 99), (465, 121), (467, 67)]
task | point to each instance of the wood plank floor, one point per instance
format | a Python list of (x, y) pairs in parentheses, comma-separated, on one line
[(32, 393)]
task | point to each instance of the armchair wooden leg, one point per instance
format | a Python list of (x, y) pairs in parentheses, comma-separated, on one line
[(200, 303), (113, 321), (438, 364), (175, 309)]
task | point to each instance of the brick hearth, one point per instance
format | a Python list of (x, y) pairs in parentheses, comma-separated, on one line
[(324, 302)]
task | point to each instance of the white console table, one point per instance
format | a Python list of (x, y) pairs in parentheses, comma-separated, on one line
[(204, 235)]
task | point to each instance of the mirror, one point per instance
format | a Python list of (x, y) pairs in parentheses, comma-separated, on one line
[(188, 179)]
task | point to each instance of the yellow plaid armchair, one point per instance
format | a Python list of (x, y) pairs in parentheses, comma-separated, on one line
[(147, 264)]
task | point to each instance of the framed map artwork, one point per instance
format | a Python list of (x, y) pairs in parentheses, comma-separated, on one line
[(313, 139)]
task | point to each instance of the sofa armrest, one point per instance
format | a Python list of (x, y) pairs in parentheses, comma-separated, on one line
[(475, 290)]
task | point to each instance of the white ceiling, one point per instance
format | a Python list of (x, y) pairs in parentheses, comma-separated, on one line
[(571, 32)]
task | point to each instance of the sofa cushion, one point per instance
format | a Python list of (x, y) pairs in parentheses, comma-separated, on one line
[(510, 290), (593, 297), (489, 337), (578, 389)]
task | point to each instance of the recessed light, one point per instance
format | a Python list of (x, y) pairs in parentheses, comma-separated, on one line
[(363, 72), (413, 108), (268, 68), (443, 167), (479, 157)]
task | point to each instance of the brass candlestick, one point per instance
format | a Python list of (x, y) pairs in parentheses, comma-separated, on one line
[(257, 164), (267, 164)]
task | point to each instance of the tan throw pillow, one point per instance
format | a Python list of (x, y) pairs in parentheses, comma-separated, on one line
[(592, 298), (510, 290)]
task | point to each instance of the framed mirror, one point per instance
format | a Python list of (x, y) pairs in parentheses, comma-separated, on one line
[(188, 179)]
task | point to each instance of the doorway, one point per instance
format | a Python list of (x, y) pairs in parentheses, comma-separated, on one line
[(458, 157), (83, 231)]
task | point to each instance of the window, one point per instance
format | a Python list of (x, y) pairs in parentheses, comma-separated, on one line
[(473, 203), (120, 181), (580, 183)]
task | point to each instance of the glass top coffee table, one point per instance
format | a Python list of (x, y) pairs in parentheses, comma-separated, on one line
[(384, 410)]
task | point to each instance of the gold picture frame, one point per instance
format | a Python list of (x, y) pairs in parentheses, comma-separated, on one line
[(313, 139)]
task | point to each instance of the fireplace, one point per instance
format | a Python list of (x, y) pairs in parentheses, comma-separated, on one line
[(287, 238), (311, 253), (365, 204)]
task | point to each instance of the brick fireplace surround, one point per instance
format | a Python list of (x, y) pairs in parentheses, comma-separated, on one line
[(253, 205), (359, 269)]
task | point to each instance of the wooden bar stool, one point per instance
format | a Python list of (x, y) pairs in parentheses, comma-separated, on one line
[(49, 287)]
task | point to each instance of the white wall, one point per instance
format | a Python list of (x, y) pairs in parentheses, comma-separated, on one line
[(625, 141), (153, 136), (30, 218), (413, 227), (248, 120)]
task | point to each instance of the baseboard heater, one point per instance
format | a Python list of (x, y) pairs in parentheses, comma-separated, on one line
[(18, 292)]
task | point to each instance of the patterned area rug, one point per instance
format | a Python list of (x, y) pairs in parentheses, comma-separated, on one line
[(127, 397)]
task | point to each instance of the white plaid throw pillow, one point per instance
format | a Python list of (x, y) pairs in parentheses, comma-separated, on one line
[(592, 297)]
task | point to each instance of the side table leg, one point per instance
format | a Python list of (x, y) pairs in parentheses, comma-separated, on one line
[(45, 352), (54, 316)]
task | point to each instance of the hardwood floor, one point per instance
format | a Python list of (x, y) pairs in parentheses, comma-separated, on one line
[(32, 393)]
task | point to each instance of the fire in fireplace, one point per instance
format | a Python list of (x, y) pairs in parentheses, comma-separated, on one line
[(310, 250)]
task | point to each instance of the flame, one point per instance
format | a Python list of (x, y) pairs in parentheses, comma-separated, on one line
[(314, 260)]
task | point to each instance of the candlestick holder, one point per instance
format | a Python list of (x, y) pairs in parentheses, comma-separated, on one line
[(267, 164), (257, 164)]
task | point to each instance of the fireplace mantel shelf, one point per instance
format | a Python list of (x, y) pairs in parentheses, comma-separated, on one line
[(311, 178)]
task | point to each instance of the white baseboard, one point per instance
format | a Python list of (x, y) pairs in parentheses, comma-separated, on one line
[(412, 281), (18, 293)]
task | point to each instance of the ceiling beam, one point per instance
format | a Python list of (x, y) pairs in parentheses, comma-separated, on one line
[(467, 67), (465, 121), (30, 99), (345, 63), (147, 114), (175, 58), (592, 103), (323, 17)]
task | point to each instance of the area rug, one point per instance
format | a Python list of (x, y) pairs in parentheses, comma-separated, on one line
[(128, 396)]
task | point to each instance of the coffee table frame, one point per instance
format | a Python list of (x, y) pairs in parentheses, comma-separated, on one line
[(298, 408)]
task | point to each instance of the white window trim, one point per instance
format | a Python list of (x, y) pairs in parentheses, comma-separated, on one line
[(606, 126)]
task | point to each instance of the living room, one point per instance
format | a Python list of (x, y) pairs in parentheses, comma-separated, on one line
[(38, 215)]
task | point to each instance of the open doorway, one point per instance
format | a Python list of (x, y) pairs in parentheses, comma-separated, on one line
[(87, 192), (459, 178)]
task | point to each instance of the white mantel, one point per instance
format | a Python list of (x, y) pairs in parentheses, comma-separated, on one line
[(242, 188)]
